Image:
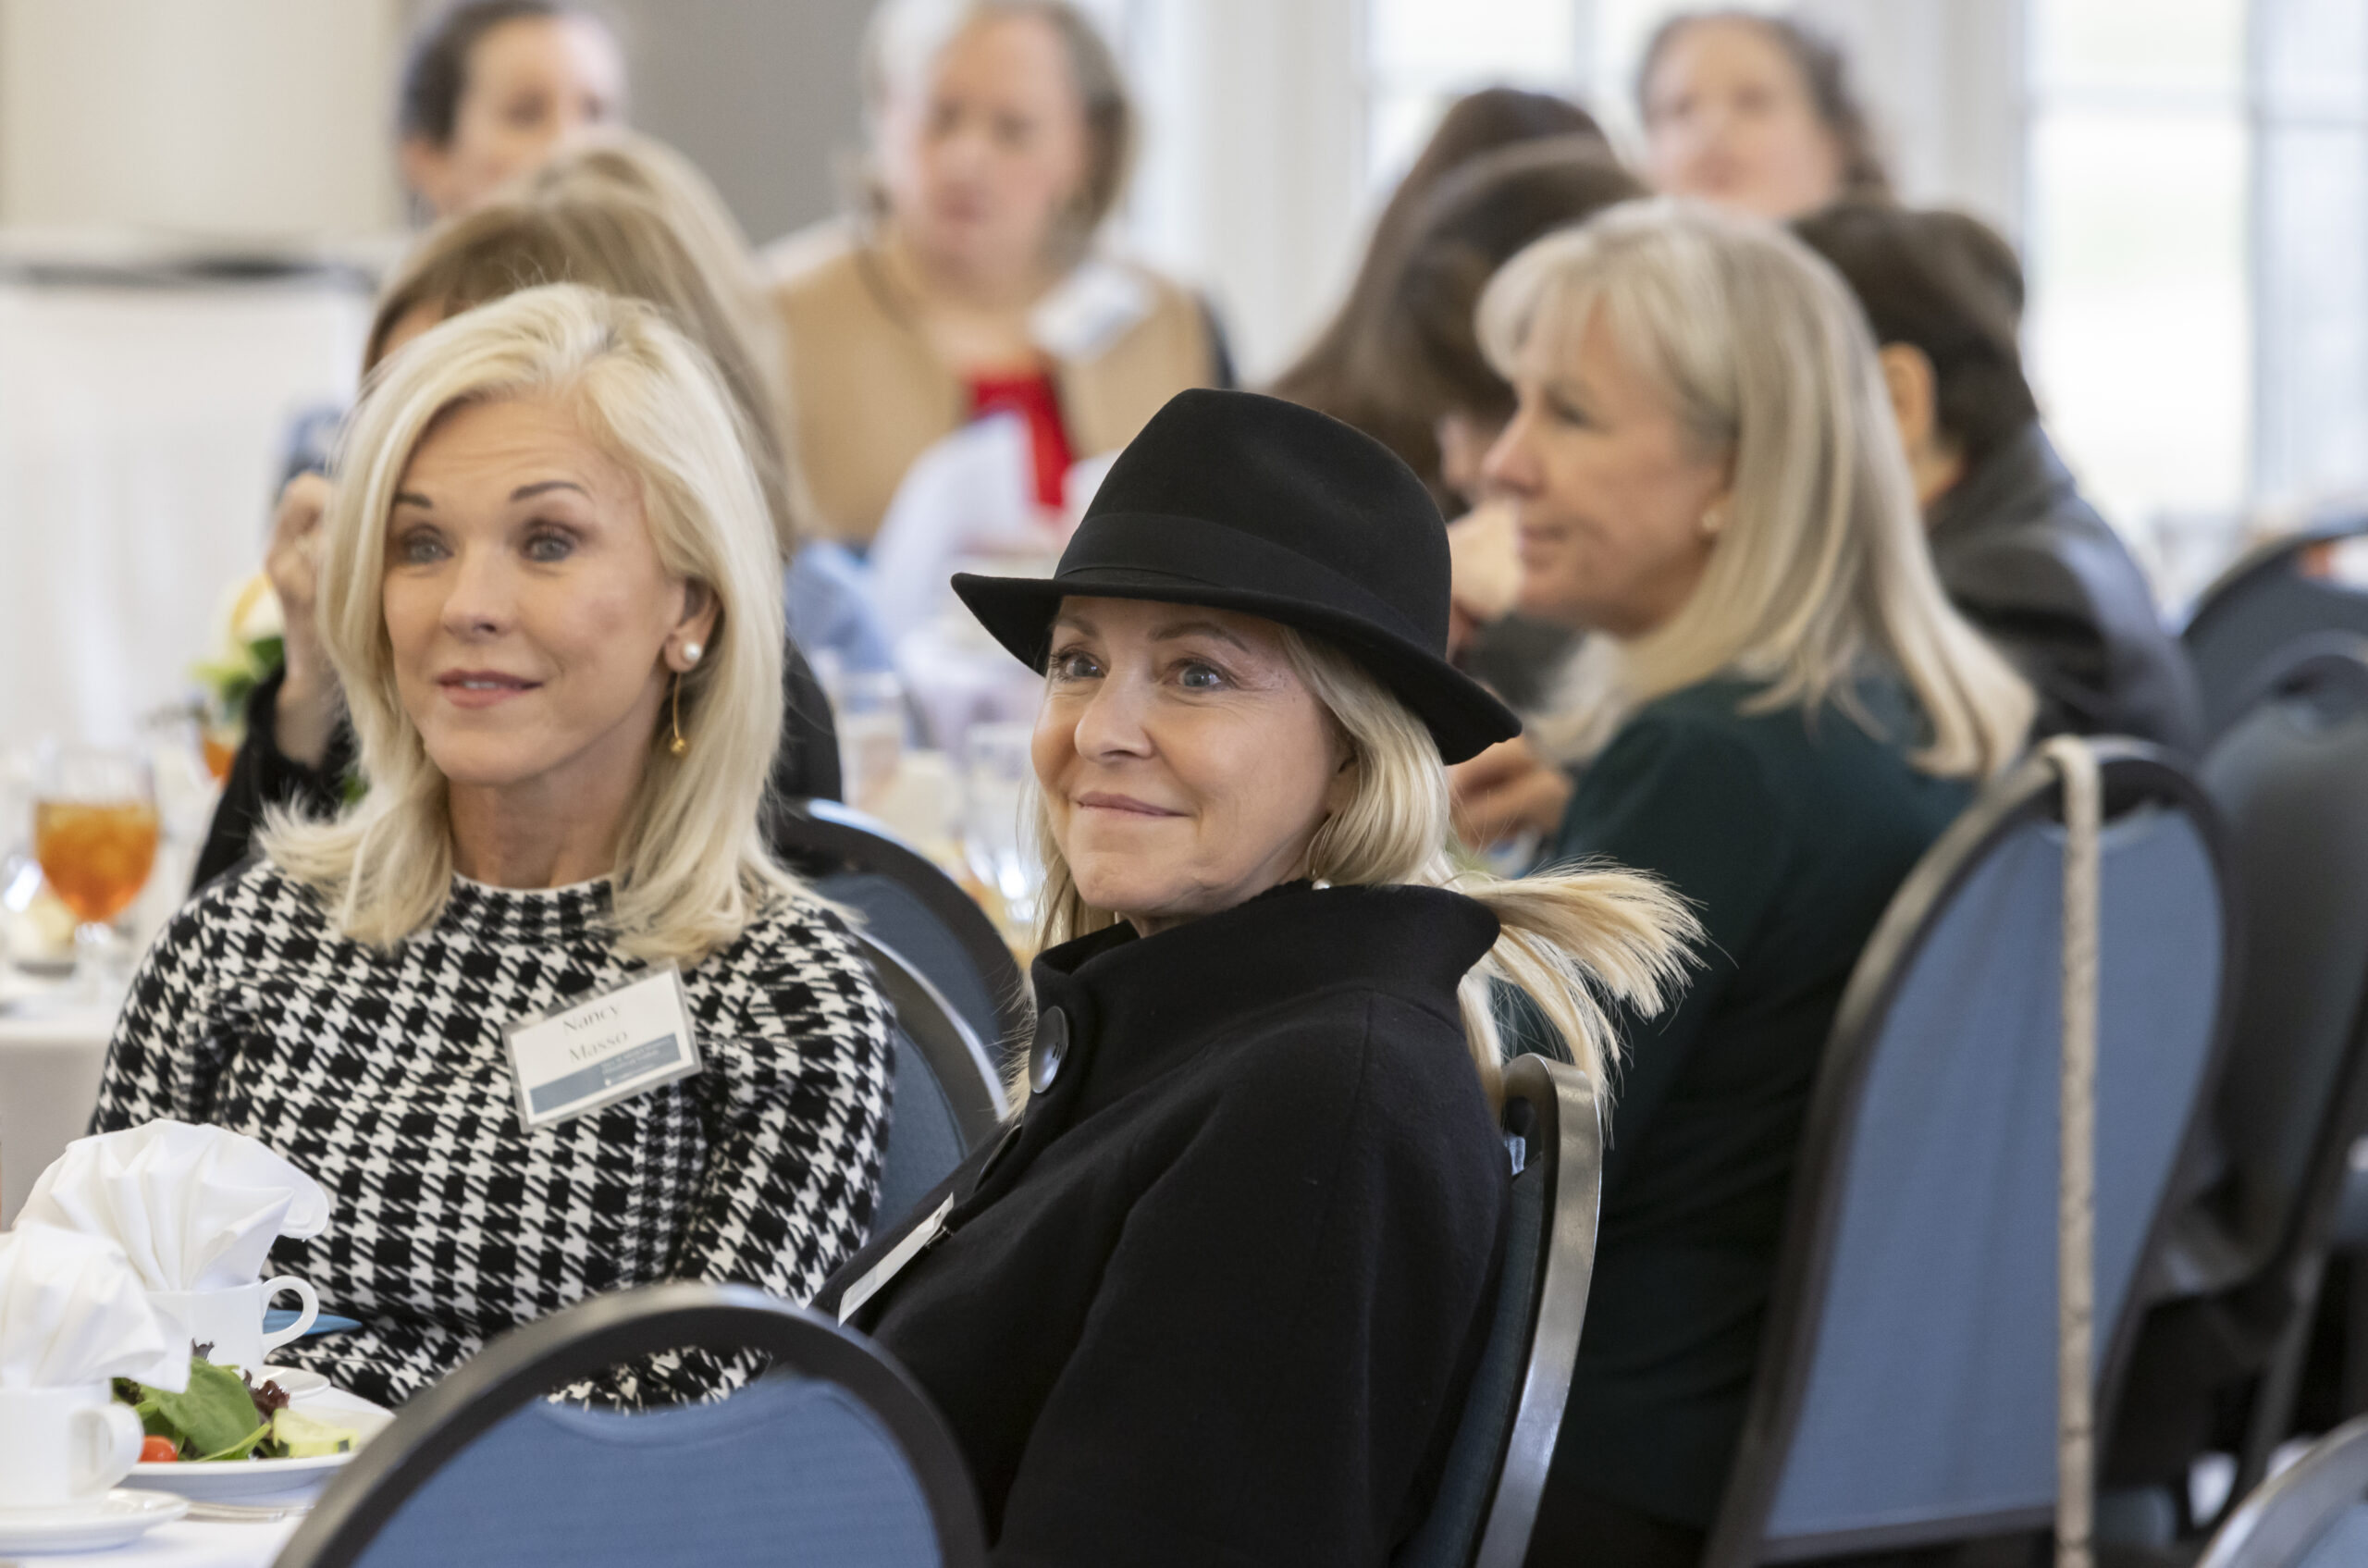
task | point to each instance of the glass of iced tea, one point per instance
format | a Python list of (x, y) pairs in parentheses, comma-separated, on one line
[(94, 833)]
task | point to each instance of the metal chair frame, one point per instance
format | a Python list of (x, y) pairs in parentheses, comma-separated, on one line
[(2277, 1524), (2227, 593), (2134, 775), (827, 834), (527, 1363), (1552, 1108), (963, 1067)]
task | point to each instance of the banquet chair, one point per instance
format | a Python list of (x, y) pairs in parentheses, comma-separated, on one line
[(2253, 615), (948, 1094), (2245, 1257), (1496, 1465), (2313, 1514), (912, 906), (834, 1458), (1906, 1392)]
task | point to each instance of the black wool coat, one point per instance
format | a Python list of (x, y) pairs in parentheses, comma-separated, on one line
[(1216, 1298), (2028, 560)]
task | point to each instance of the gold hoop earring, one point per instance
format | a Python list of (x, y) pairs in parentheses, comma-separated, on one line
[(677, 746)]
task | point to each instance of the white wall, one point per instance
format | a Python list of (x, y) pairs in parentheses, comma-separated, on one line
[(245, 118)]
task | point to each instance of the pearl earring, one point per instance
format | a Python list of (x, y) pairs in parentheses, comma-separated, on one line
[(691, 652), (1713, 522)]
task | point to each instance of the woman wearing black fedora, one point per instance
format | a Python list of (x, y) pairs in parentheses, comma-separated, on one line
[(1216, 1294)]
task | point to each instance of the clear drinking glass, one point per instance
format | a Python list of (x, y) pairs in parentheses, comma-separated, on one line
[(871, 721), (94, 833), (996, 778)]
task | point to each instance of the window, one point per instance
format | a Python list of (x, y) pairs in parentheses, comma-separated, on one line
[(2198, 253)]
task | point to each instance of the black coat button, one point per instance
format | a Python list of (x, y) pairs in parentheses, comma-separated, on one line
[(1051, 1049)]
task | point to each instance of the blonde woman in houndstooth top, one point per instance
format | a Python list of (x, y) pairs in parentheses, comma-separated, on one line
[(549, 587)]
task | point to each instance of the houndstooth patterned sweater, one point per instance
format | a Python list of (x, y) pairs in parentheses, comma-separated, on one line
[(385, 1076)]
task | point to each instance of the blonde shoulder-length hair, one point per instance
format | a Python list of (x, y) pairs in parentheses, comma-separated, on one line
[(1569, 938), (1822, 567), (691, 869)]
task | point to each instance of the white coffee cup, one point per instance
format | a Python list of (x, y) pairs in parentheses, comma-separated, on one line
[(59, 1447), (231, 1320)]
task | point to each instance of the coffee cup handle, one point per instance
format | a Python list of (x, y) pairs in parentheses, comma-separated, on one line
[(309, 1310), (109, 1446)]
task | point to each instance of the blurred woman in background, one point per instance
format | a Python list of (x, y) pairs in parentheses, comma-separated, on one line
[(1755, 111), (1349, 371), (1706, 480), (1427, 369), (584, 223), (496, 88), (970, 283), (2018, 548)]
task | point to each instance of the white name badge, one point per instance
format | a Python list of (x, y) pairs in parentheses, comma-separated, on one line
[(598, 1049), (892, 1263)]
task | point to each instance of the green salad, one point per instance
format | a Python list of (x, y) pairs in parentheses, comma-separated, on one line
[(223, 1415)]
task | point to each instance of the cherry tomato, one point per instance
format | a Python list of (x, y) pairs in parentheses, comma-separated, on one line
[(159, 1451)]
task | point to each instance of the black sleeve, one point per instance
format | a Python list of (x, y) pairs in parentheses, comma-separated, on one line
[(806, 765), (261, 776)]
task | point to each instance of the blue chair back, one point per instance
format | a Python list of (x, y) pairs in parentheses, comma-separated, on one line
[(1907, 1390), (2249, 620), (1504, 1441), (948, 1097), (835, 1458), (2313, 1514), (912, 907)]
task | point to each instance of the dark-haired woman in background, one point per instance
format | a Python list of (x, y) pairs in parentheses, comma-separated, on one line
[(496, 88), (1430, 374), (2020, 551), (1755, 112), (1348, 370)]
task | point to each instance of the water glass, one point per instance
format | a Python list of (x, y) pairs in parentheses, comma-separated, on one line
[(998, 779), (871, 721)]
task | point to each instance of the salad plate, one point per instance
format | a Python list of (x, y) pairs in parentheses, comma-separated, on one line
[(226, 1480), (115, 1518)]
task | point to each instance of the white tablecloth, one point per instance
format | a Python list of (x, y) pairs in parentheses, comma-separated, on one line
[(50, 1060)]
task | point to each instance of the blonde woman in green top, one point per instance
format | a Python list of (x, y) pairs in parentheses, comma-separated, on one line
[(1780, 711)]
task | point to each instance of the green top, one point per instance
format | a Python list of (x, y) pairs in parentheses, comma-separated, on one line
[(1789, 831)]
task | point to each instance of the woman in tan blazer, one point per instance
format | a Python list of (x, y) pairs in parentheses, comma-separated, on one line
[(1001, 137)]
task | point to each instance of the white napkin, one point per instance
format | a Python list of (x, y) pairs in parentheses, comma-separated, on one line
[(194, 1208), (73, 1311)]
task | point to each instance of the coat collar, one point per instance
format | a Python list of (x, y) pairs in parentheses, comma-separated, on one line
[(2021, 479), (1132, 1007)]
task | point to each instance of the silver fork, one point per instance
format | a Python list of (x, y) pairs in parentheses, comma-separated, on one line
[(244, 1512)]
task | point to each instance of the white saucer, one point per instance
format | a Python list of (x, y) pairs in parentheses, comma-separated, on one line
[(224, 1480), (117, 1518)]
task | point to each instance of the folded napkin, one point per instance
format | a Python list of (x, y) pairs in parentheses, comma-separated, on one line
[(194, 1208), (72, 1311)]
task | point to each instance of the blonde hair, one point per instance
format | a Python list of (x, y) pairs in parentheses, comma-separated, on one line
[(905, 38), (1568, 937), (691, 869), (621, 217), (1823, 565)]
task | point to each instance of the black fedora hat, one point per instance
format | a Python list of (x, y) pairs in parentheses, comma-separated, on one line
[(1240, 501)]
